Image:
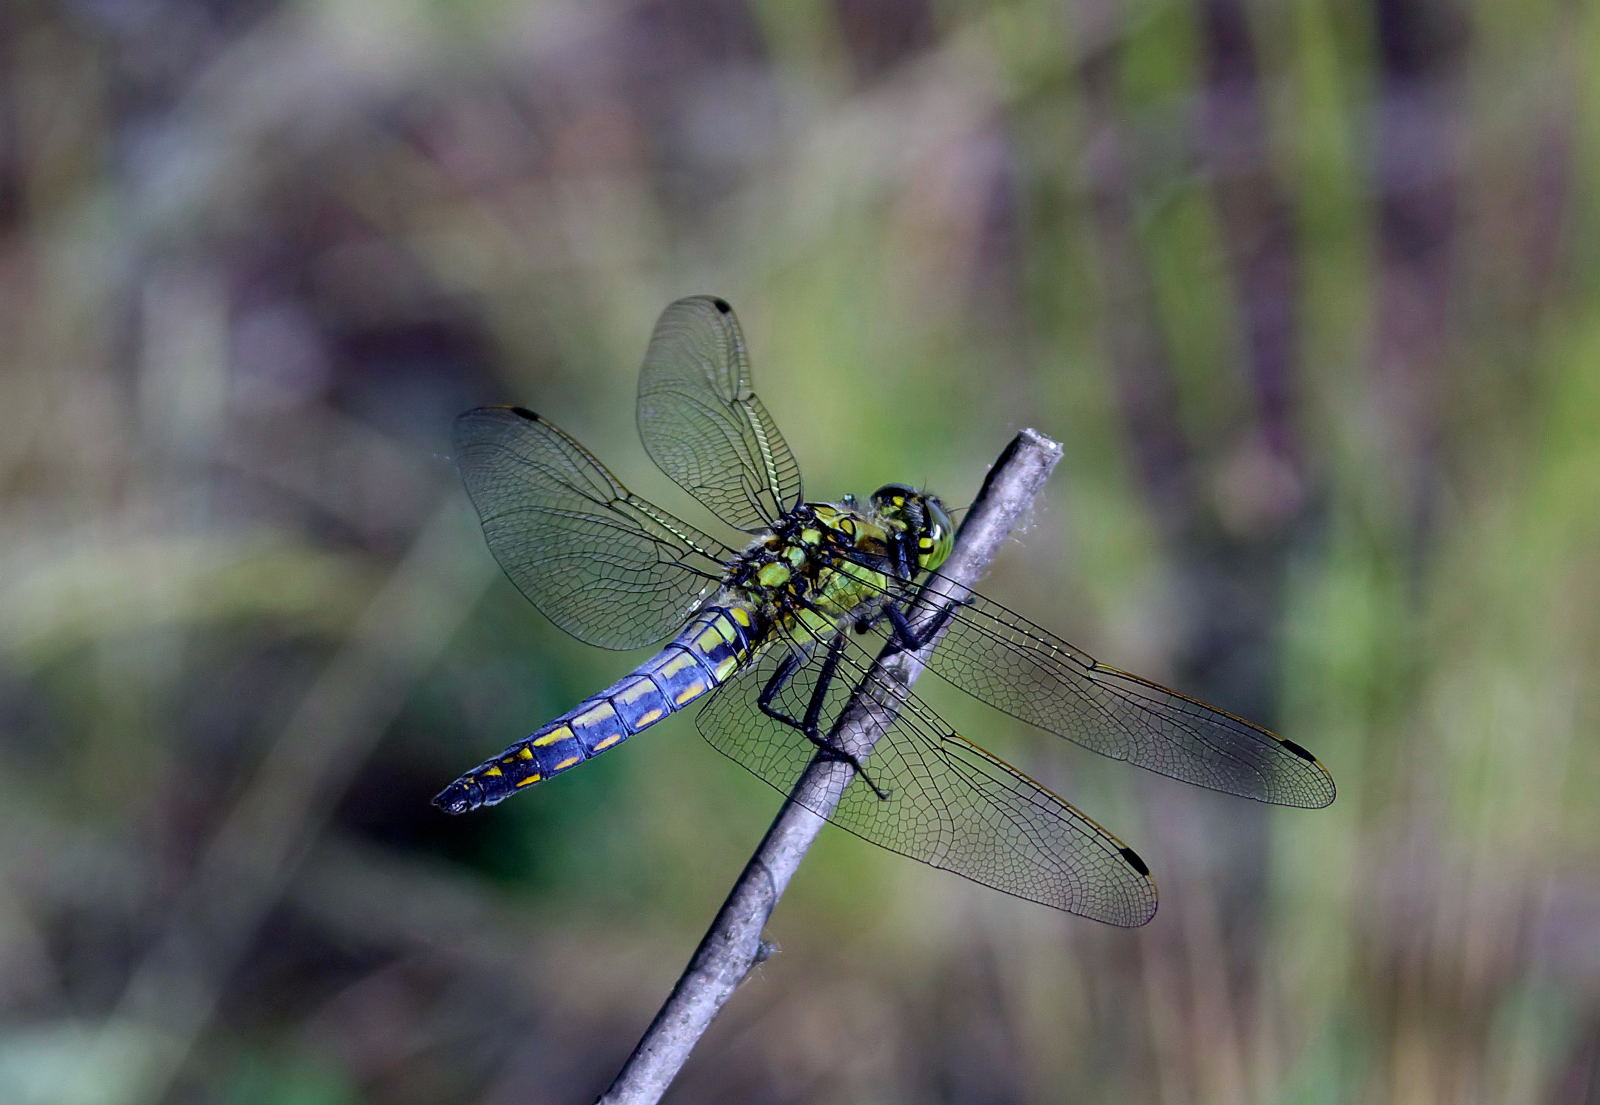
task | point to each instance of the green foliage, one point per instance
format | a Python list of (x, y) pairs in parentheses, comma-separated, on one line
[(1308, 290)]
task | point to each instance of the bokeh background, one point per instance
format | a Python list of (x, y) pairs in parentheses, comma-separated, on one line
[(1307, 288)]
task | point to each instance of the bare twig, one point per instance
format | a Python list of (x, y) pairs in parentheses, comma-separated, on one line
[(733, 944)]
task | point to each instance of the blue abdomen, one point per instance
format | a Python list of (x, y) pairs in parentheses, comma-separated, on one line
[(704, 656)]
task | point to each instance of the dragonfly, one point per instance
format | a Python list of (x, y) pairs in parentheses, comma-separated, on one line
[(776, 637)]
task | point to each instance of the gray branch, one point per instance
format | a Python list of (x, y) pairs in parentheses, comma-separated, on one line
[(733, 944)]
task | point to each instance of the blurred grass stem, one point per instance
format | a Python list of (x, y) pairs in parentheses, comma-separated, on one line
[(173, 995)]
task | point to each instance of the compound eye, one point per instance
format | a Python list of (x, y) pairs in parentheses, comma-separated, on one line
[(892, 495), (938, 535)]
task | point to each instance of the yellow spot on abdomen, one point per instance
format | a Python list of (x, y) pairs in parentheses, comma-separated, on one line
[(718, 631), (601, 746), (647, 717), (741, 615), (530, 779), (679, 663), (596, 715), (693, 690), (561, 733), (524, 753), (639, 689), (566, 763), (494, 771)]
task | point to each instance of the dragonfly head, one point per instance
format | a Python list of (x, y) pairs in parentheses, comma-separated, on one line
[(920, 518)]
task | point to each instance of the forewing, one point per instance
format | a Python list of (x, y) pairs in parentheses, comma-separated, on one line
[(600, 562), (945, 801), (1003, 659), (702, 423)]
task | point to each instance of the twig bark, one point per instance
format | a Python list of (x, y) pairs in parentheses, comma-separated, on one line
[(733, 944)]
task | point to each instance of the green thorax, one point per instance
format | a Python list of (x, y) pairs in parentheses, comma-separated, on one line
[(825, 564)]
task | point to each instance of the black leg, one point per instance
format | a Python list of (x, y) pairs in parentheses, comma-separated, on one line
[(819, 693), (819, 697), (779, 680), (905, 639), (905, 564), (810, 726)]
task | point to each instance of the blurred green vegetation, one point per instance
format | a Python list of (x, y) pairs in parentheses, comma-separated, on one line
[(1309, 291)]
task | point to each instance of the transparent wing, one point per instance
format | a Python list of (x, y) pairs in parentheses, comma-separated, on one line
[(600, 562), (702, 423), (946, 801), (1004, 660)]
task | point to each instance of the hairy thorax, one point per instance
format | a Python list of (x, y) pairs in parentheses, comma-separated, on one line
[(811, 571)]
